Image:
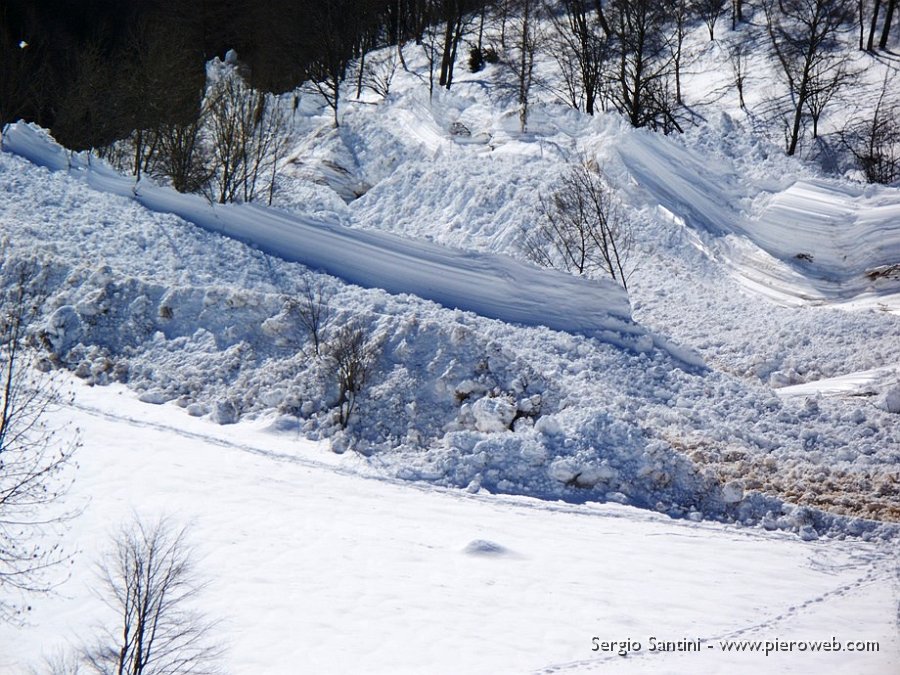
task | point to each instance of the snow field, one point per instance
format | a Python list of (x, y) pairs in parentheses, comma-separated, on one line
[(478, 514), (314, 559)]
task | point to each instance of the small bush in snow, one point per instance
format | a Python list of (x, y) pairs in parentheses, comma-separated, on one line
[(353, 354), (476, 60), (582, 229), (313, 309)]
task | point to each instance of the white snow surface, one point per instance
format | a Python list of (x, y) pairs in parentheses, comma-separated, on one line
[(315, 563), (490, 285), (478, 513), (531, 392)]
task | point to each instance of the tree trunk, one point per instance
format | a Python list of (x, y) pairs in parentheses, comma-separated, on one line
[(524, 66), (798, 118), (871, 42), (457, 36), (737, 13), (138, 153), (444, 80), (892, 5), (601, 17), (481, 28), (361, 73)]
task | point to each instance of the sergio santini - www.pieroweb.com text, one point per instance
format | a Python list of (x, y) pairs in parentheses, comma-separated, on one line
[(654, 644)]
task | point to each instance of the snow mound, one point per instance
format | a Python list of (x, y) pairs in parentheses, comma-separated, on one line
[(793, 240), (483, 547), (489, 285), (890, 399)]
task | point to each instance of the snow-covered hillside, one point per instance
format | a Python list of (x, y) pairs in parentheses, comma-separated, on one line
[(574, 398), (187, 316), (536, 443)]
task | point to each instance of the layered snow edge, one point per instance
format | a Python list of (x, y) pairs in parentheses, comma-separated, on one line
[(490, 285)]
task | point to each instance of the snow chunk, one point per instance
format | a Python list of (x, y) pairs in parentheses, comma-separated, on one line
[(808, 533), (197, 410), (549, 426), (493, 414), (63, 329), (483, 547), (733, 492), (224, 412), (466, 388), (563, 470), (156, 397), (889, 401)]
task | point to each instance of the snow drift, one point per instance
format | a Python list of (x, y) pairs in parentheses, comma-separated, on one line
[(493, 286)]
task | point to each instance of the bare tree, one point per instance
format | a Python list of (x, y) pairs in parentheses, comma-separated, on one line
[(149, 580), (127, 98), (580, 52), (826, 82), (521, 54), (456, 15), (737, 59), (181, 154), (248, 135), (428, 42), (60, 662), (231, 116), (313, 310), (582, 229), (642, 62), (875, 143), (454, 24), (679, 11), (379, 73), (804, 36), (710, 11), (353, 354), (155, 82), (334, 32), (34, 456)]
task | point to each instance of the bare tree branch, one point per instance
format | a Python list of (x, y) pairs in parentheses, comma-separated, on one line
[(34, 456), (149, 580), (582, 229)]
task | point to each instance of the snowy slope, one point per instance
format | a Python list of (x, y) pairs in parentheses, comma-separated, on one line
[(493, 399), (714, 212), (492, 286), (478, 515), (315, 564), (776, 227), (816, 241), (182, 314)]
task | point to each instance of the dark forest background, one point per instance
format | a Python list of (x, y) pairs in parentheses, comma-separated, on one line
[(97, 71), (92, 68)]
